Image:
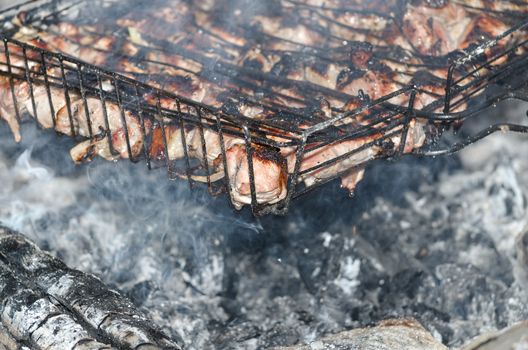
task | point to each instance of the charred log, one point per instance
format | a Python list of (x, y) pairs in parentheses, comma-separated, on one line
[(47, 305), (405, 334)]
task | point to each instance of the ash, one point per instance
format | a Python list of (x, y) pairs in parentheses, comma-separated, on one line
[(441, 240)]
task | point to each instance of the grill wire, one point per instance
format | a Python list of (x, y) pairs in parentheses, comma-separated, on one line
[(293, 127)]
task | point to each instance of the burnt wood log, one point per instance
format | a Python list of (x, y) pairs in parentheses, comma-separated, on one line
[(47, 305), (398, 334)]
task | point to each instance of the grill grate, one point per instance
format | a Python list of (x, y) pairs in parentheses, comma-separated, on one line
[(132, 113)]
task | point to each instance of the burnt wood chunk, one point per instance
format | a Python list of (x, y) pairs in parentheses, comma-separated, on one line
[(395, 334), (46, 305), (30, 317)]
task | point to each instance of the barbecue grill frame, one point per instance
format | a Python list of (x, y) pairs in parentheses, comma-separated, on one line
[(257, 131)]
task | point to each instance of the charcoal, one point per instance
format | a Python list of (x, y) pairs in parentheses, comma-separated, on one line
[(42, 297), (32, 317)]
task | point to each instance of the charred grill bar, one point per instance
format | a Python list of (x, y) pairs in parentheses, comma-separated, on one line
[(269, 136)]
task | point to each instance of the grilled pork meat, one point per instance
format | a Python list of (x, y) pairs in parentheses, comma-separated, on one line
[(118, 133), (428, 28), (269, 172), (8, 109), (241, 60), (435, 30)]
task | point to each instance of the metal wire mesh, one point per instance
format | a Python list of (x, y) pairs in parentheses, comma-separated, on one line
[(119, 113)]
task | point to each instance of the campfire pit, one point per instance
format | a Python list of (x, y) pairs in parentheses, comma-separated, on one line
[(441, 240)]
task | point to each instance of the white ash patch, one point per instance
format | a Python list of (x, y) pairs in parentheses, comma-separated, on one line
[(348, 276)]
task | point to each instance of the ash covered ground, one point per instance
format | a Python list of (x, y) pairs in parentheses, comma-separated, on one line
[(438, 239)]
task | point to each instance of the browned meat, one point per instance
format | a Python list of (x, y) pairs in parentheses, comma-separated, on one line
[(8, 110), (60, 118), (353, 157), (294, 55), (270, 175), (123, 127), (7, 106), (173, 137), (76, 42), (436, 31), (316, 157)]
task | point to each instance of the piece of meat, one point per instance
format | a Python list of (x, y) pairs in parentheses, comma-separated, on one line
[(270, 175), (122, 125), (343, 26), (349, 181), (374, 84), (17, 63), (97, 51), (326, 77), (212, 144), (173, 138), (254, 58), (7, 105), (47, 111), (88, 48), (315, 157), (289, 33), (416, 137), (436, 31), (175, 64), (204, 20)]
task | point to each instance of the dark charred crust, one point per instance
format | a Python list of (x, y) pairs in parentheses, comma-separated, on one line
[(270, 154), (347, 75), (360, 54), (478, 35), (185, 83), (360, 58), (381, 68), (232, 105), (425, 78), (286, 65), (320, 67), (430, 23), (253, 64), (87, 156), (436, 49), (387, 147)]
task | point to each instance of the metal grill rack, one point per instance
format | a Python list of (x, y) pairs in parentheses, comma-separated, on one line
[(297, 127)]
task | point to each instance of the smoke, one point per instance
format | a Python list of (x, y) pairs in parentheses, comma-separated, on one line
[(29, 192), (224, 279), (136, 229)]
